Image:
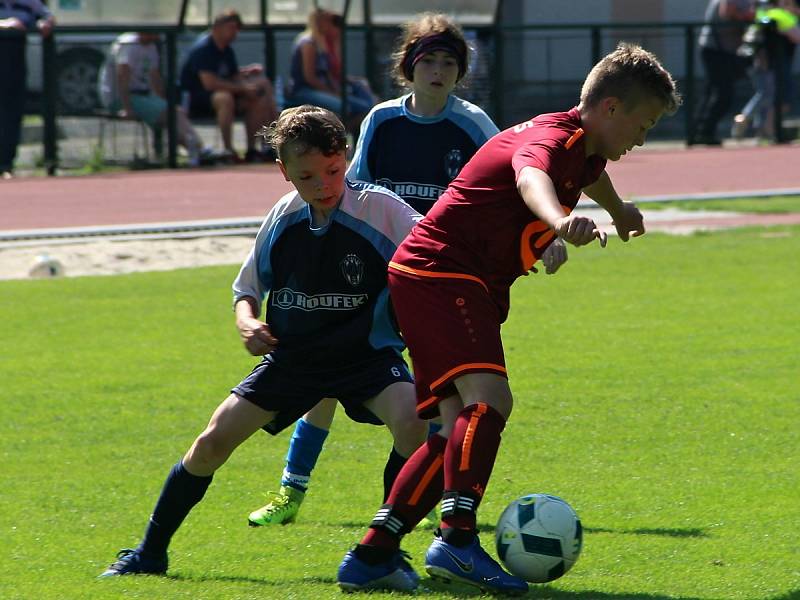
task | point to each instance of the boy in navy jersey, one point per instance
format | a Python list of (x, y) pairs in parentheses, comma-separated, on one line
[(321, 255), (450, 281), (413, 145)]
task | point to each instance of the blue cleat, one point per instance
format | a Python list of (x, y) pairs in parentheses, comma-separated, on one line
[(132, 562), (405, 566), (470, 565), (356, 575)]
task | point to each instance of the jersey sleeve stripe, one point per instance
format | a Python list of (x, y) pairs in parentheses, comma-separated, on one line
[(255, 275), (574, 138), (473, 121), (359, 167)]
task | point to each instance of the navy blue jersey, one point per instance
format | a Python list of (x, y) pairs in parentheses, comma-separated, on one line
[(204, 55), (328, 301), (417, 157)]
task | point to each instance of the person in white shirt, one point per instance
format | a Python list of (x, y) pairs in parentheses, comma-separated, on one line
[(131, 86)]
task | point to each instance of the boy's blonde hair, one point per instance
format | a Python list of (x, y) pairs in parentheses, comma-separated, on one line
[(630, 73), (428, 32), (306, 128)]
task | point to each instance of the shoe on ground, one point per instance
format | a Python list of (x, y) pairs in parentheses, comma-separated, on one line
[(740, 127), (229, 157), (133, 562), (470, 565), (405, 565), (430, 521), (281, 510), (204, 157), (259, 156), (355, 575), (706, 140)]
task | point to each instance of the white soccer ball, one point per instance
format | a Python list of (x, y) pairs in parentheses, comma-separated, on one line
[(538, 537)]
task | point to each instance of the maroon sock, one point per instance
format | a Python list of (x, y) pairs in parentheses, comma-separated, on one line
[(416, 490), (468, 461)]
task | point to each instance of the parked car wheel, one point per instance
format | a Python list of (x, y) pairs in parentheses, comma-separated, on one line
[(78, 71)]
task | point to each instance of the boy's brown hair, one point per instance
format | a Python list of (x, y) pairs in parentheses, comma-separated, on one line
[(427, 33), (630, 73), (306, 128)]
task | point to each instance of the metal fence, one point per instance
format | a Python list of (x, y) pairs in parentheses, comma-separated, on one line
[(520, 70)]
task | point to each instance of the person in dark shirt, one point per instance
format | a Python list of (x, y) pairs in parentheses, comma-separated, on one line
[(321, 255), (720, 37), (450, 280), (16, 18), (213, 84)]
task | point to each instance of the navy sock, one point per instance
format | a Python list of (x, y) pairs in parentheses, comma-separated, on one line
[(394, 463), (180, 493), (304, 450)]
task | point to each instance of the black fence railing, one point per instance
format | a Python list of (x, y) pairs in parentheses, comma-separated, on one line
[(550, 59)]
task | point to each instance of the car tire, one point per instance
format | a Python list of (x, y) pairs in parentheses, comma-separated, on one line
[(78, 71)]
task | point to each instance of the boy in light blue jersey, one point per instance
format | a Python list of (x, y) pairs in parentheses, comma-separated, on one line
[(321, 256)]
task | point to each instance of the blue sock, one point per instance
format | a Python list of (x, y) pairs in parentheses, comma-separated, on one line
[(304, 450)]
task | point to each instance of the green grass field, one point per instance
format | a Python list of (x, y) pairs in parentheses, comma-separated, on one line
[(768, 204), (657, 390)]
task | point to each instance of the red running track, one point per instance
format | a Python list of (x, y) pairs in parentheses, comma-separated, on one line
[(191, 195)]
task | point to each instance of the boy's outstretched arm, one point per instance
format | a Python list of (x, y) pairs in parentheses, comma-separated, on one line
[(539, 195), (255, 334), (626, 217)]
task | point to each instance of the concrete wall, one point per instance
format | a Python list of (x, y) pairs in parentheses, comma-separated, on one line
[(565, 55)]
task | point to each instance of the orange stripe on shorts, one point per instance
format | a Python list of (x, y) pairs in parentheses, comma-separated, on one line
[(427, 403), (466, 446), (467, 367), (436, 274), (426, 479)]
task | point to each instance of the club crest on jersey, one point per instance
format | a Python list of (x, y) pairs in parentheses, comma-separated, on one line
[(453, 161), (352, 269)]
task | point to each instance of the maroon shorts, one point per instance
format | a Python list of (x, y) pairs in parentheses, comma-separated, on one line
[(451, 327)]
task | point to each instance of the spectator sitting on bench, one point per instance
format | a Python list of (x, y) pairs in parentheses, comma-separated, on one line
[(132, 88), (213, 84), (317, 67)]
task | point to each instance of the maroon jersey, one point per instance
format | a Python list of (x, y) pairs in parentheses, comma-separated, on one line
[(480, 228)]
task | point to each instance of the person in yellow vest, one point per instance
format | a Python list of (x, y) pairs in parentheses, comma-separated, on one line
[(769, 42)]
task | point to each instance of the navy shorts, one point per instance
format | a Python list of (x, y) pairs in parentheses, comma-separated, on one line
[(293, 392)]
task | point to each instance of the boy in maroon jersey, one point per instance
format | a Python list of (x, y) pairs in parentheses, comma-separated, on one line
[(449, 282)]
